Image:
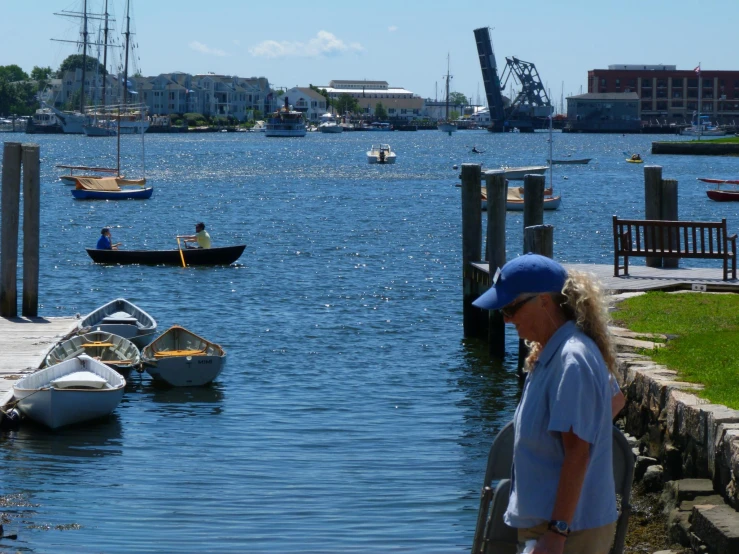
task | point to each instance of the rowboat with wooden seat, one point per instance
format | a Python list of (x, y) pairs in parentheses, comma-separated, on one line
[(570, 161), (180, 358), (114, 351), (109, 188), (224, 255), (123, 318), (76, 390)]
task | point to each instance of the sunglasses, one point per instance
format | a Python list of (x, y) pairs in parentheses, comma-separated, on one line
[(512, 309)]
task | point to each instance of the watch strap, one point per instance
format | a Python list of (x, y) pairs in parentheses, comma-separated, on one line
[(559, 527)]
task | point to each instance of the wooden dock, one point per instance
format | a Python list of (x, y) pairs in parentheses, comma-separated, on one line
[(642, 278), (24, 343)]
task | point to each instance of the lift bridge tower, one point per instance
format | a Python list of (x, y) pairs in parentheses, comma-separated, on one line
[(531, 107)]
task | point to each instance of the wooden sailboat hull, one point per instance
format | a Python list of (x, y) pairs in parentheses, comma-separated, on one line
[(224, 255), (136, 194)]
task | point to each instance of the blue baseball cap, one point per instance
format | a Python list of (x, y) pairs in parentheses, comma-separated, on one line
[(530, 273)]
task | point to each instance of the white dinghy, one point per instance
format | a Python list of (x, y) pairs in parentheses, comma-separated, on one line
[(180, 358), (76, 390)]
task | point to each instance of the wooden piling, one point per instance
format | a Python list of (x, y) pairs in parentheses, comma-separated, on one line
[(668, 212), (497, 192), (31, 228), (9, 208), (652, 203), (474, 320), (533, 201), (539, 239)]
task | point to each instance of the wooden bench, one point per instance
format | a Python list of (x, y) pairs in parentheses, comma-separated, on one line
[(672, 239)]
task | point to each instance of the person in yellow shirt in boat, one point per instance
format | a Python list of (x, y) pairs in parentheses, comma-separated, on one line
[(201, 237)]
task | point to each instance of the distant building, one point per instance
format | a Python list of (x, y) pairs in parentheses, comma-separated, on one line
[(306, 100), (668, 94), (397, 101), (616, 112)]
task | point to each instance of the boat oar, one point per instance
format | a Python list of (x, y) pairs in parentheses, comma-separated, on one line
[(182, 256)]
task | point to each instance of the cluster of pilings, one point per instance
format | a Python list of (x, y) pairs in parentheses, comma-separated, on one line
[(15, 157)]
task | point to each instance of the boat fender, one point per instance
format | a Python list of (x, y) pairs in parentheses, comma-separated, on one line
[(10, 420)]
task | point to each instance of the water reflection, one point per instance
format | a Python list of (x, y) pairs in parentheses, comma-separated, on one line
[(94, 439), (183, 401)]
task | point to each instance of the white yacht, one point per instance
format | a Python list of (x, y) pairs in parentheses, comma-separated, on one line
[(329, 125), (381, 154)]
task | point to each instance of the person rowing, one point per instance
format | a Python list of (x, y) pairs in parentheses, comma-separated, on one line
[(201, 237), (476, 151), (105, 241)]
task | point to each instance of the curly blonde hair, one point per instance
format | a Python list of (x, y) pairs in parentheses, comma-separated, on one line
[(583, 301)]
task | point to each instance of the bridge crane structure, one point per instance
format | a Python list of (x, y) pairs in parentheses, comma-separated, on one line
[(531, 107)]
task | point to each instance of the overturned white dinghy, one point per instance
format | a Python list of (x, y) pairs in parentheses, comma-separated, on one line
[(122, 318), (76, 390), (180, 358)]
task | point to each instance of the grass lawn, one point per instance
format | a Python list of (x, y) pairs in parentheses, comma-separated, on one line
[(729, 140), (704, 343)]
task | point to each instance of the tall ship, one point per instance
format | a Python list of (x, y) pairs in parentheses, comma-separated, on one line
[(285, 122)]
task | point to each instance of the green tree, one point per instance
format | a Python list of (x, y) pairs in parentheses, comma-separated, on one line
[(457, 98), (346, 103), (12, 73), (41, 75), (74, 61), (380, 111), (454, 114)]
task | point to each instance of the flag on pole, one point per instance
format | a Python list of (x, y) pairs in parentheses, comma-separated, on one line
[(697, 69)]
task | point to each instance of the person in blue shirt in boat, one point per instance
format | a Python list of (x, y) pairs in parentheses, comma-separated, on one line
[(201, 237), (105, 242)]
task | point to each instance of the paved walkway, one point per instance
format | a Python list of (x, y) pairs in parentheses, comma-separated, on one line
[(24, 343), (642, 278)]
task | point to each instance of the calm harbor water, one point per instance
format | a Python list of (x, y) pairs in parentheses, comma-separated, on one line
[(351, 416)]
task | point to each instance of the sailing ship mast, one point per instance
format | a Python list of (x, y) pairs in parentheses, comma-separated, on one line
[(447, 86), (105, 51), (125, 65)]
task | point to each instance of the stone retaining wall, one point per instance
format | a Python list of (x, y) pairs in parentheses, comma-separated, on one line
[(693, 445)]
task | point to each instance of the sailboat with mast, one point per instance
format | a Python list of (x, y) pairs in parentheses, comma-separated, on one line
[(102, 126), (72, 121), (447, 126)]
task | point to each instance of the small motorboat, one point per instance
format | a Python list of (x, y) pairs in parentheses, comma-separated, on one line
[(180, 358), (571, 161), (76, 390), (518, 173), (116, 352), (121, 318), (225, 255), (109, 188), (381, 154), (719, 195)]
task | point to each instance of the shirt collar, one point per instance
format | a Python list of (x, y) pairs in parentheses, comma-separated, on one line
[(560, 336)]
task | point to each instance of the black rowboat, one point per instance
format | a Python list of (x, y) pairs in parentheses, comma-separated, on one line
[(224, 255)]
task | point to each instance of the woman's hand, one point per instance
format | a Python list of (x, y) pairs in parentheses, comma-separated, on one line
[(550, 543)]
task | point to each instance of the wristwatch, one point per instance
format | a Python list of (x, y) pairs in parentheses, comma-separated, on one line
[(559, 527)]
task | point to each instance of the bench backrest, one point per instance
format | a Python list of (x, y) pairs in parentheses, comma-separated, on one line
[(690, 239)]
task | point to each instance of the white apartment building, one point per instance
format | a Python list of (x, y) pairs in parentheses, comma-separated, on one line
[(306, 100), (397, 101)]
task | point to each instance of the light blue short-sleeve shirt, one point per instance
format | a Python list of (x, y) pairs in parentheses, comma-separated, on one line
[(568, 389)]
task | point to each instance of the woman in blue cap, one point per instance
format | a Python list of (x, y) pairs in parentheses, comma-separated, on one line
[(562, 491)]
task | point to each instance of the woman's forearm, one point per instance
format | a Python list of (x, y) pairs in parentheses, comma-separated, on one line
[(571, 477)]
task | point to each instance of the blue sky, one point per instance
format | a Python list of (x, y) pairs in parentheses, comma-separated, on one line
[(402, 42)]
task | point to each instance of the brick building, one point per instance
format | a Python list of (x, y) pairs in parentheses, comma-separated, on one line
[(671, 95)]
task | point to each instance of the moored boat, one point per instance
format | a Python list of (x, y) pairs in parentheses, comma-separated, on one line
[(109, 188), (285, 122), (571, 161), (329, 124), (224, 255), (122, 318), (114, 351), (381, 154), (722, 195), (518, 173), (76, 390), (514, 199), (180, 358)]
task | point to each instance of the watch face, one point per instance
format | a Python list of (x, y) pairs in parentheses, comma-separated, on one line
[(561, 526)]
